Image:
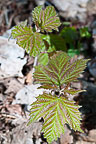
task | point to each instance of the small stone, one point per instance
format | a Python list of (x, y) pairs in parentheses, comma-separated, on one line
[(74, 10), (27, 95), (23, 134), (92, 134), (84, 142), (67, 137), (11, 58), (92, 67), (29, 141), (40, 2), (13, 86)]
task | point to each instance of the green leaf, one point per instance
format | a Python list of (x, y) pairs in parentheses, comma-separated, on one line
[(73, 52), (66, 23), (49, 47), (43, 59), (49, 19), (56, 112), (84, 32), (72, 91), (60, 70), (46, 20), (31, 42), (69, 34), (23, 23), (54, 42), (58, 42), (48, 86), (36, 15), (72, 72)]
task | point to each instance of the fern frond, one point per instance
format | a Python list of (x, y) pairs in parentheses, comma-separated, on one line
[(56, 112), (59, 70), (27, 39)]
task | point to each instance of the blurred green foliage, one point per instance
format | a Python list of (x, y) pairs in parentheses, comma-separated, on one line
[(69, 39)]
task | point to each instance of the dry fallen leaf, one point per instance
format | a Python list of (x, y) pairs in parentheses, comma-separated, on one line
[(29, 79)]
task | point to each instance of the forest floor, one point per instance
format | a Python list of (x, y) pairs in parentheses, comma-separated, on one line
[(17, 90)]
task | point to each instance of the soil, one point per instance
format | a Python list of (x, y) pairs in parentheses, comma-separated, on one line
[(14, 108)]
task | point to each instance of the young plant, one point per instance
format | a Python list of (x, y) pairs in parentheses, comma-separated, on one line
[(54, 107), (33, 40)]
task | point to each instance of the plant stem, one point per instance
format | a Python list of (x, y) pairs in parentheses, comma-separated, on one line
[(35, 63), (30, 78)]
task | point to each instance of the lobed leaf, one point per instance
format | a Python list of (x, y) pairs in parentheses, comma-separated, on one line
[(59, 70), (72, 72), (31, 42), (56, 112), (46, 20), (36, 15), (49, 19)]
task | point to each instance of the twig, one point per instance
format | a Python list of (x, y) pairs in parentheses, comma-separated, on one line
[(8, 115)]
